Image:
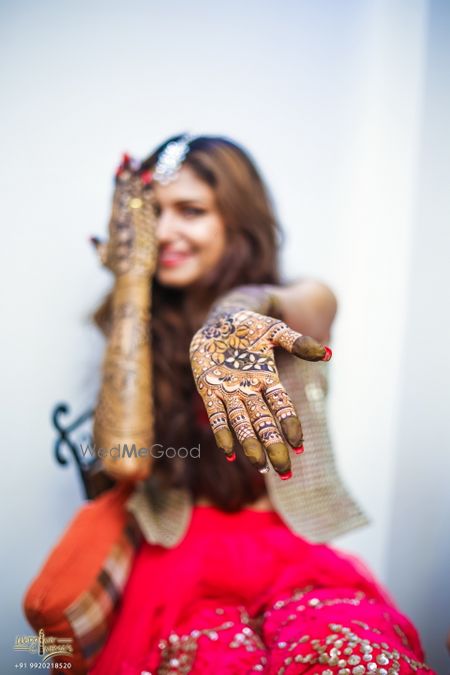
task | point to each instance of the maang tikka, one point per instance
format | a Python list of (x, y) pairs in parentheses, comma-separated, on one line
[(171, 158)]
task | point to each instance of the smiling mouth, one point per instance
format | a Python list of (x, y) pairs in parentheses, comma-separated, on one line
[(173, 258)]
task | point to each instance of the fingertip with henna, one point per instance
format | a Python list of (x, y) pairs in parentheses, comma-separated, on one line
[(231, 458), (292, 430), (299, 450), (285, 476)]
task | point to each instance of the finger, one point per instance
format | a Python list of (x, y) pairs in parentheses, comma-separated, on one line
[(262, 420), (219, 424), (279, 458), (303, 346), (267, 430), (282, 407), (240, 421), (100, 247), (95, 241)]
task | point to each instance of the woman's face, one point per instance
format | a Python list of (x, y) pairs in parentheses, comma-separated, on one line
[(190, 230)]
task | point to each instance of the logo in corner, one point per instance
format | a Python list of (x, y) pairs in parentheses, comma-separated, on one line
[(44, 645)]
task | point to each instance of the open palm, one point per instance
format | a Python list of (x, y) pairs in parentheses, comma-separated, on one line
[(234, 368)]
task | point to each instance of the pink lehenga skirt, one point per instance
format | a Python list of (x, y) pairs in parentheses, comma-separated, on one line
[(243, 594)]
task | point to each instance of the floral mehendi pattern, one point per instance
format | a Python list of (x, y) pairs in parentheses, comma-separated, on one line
[(235, 373)]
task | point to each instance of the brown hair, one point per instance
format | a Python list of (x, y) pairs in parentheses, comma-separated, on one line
[(250, 258)]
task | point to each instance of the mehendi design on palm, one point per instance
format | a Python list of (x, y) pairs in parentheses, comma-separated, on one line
[(235, 372)]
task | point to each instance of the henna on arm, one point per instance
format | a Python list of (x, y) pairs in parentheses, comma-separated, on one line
[(307, 306), (124, 412)]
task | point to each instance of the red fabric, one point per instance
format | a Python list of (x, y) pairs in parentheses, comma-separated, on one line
[(246, 560)]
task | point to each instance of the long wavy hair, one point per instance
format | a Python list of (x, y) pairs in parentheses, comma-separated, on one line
[(250, 257)]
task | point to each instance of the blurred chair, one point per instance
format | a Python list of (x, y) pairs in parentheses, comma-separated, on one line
[(75, 438)]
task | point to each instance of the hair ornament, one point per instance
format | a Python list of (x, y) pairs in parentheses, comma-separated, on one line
[(171, 158)]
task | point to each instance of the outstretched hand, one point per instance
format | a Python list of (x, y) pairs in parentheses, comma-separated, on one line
[(235, 373)]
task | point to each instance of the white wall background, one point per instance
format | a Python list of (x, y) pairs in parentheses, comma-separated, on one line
[(344, 106)]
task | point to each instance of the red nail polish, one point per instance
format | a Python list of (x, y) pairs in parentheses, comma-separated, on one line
[(231, 458), (328, 354), (146, 177), (285, 476), (299, 450)]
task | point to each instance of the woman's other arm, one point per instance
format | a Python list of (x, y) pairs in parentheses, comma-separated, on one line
[(309, 307), (123, 423)]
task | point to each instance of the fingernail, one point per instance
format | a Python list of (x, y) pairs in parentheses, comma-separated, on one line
[(146, 177), (328, 354), (285, 476), (231, 458), (292, 430), (299, 450)]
